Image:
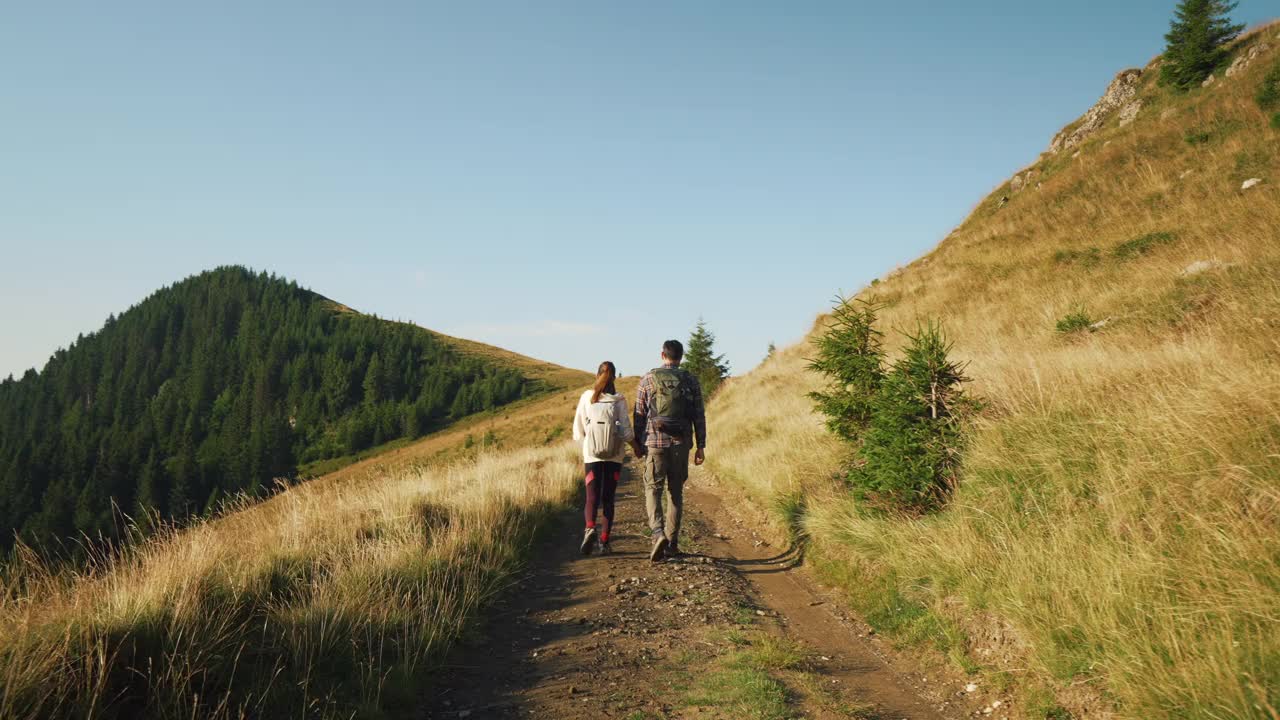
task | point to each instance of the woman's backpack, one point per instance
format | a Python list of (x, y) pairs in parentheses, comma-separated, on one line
[(604, 438)]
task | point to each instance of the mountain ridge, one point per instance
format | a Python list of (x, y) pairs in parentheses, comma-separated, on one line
[(221, 384)]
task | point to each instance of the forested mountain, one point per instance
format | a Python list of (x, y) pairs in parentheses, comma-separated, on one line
[(218, 385)]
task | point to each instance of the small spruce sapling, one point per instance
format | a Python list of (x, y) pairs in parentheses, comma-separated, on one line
[(851, 356), (911, 450)]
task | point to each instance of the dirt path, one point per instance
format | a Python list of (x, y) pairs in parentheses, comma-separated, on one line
[(732, 630)]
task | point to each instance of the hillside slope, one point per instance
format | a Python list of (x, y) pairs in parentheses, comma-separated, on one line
[(335, 598), (221, 385), (1113, 546), (332, 599)]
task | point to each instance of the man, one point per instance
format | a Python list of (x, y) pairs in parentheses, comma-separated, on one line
[(669, 416)]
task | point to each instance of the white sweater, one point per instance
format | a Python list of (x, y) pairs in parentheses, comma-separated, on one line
[(580, 425)]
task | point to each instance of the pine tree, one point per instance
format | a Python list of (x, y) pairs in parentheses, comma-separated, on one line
[(773, 349), (373, 380), (152, 493), (183, 492), (911, 449), (851, 356), (1196, 41), (700, 359), (336, 383)]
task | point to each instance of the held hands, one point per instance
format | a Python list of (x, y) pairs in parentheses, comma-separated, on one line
[(699, 456), (639, 449)]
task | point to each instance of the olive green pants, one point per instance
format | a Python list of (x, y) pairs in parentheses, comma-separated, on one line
[(666, 469)]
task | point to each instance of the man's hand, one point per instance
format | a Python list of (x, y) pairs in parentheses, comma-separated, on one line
[(699, 456), (638, 449)]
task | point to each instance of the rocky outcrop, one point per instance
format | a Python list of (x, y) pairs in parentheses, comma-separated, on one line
[(1120, 95), (1022, 180), (1243, 60), (1200, 266), (1129, 112)]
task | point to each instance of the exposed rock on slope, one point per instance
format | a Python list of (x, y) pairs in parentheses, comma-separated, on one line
[(1022, 180), (1246, 58), (1119, 96), (1129, 112)]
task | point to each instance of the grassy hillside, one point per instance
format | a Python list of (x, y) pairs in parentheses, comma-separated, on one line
[(1113, 545), (222, 385), (333, 599)]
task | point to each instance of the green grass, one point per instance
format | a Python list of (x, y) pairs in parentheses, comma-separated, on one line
[(1127, 250), (767, 652), (743, 692), (1216, 131), (878, 598), (1142, 245), (317, 468), (1087, 258), (1075, 321), (1268, 97), (745, 681), (1255, 162), (754, 674), (1041, 706), (790, 508), (824, 695), (744, 614)]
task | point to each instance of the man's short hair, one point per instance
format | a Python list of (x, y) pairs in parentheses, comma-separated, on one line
[(672, 350)]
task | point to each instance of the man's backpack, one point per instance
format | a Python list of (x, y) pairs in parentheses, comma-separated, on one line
[(672, 400), (603, 437)]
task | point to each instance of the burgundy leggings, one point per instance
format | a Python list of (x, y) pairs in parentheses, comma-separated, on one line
[(602, 484)]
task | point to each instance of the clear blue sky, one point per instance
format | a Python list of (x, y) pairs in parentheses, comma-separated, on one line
[(575, 181)]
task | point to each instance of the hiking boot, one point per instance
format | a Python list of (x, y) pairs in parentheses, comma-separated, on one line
[(673, 551), (659, 549), (588, 541), (606, 548)]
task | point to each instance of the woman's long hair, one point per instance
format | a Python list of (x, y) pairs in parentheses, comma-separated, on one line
[(605, 375)]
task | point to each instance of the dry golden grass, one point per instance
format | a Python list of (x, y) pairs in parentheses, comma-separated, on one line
[(330, 599), (553, 375), (532, 422), (1120, 506), (767, 436)]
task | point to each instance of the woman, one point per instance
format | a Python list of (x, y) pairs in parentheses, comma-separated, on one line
[(603, 426)]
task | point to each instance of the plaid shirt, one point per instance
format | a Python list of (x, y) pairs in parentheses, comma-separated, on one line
[(644, 407)]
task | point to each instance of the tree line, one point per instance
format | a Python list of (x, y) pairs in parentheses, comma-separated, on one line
[(217, 386)]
